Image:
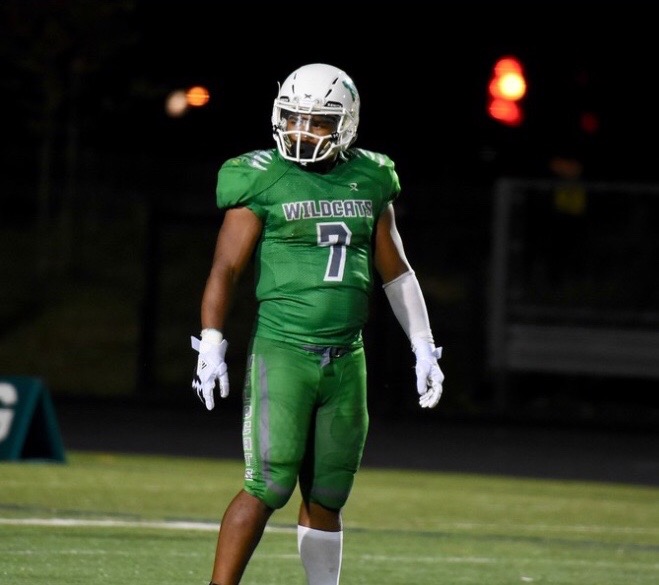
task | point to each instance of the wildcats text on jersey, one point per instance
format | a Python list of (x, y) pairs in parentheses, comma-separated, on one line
[(324, 208)]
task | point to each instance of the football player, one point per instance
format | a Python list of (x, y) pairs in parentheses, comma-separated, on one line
[(317, 215)]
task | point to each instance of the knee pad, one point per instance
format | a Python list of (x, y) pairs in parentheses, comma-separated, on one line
[(332, 499), (272, 495)]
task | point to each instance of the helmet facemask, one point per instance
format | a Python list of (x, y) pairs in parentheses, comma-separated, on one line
[(309, 137)]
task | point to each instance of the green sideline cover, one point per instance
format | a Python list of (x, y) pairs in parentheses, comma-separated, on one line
[(28, 425)]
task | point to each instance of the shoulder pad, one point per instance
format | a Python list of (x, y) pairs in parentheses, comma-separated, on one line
[(381, 160)]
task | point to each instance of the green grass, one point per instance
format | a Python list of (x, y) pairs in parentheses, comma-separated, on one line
[(147, 520)]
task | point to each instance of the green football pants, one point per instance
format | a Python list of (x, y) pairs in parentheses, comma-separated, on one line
[(305, 418)]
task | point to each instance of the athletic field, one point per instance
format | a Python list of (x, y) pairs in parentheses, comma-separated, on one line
[(152, 520)]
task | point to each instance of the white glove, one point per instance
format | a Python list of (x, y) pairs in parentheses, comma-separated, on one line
[(429, 376), (211, 367)]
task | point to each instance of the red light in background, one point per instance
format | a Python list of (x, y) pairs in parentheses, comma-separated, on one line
[(506, 89), (508, 80), (589, 122), (505, 111)]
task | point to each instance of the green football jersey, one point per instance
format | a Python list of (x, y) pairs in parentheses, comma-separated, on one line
[(314, 272)]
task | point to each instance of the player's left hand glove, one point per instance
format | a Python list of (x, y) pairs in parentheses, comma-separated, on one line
[(429, 376), (211, 368)]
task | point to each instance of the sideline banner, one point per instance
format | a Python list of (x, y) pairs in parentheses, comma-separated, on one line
[(28, 425)]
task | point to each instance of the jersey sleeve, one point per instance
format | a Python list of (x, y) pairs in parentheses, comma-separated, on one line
[(383, 171), (241, 179), (394, 182)]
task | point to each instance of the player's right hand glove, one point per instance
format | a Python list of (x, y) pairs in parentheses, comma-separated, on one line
[(429, 376), (211, 368)]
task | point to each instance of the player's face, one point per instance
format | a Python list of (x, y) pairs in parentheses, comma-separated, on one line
[(306, 123)]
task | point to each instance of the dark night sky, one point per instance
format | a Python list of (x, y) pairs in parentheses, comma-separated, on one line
[(421, 70)]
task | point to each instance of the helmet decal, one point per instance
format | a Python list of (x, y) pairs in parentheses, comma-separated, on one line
[(347, 83)]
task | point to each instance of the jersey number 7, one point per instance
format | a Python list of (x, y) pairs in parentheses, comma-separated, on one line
[(336, 236)]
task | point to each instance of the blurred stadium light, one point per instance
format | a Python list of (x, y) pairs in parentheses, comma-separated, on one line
[(506, 89), (178, 101)]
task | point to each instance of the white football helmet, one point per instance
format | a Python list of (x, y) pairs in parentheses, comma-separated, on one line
[(316, 96)]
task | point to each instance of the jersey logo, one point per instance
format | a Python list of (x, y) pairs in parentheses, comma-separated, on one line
[(353, 187), (323, 208)]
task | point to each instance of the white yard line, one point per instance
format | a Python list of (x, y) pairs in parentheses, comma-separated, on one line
[(100, 523)]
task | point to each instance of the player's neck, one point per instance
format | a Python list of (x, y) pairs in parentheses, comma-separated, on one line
[(321, 167)]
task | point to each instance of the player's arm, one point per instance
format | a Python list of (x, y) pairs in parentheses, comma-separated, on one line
[(389, 255), (236, 240), (407, 302)]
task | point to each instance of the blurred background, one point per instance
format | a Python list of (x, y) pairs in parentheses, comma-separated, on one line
[(530, 198)]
